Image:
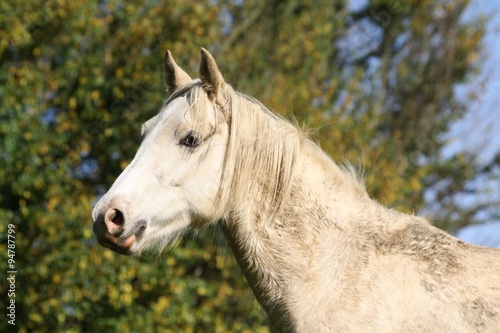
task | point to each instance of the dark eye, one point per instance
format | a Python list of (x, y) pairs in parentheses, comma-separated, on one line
[(191, 140)]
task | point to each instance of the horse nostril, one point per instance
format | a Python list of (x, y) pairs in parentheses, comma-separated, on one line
[(114, 220), (117, 218)]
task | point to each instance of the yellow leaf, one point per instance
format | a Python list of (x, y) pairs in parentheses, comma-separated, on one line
[(95, 95), (72, 103)]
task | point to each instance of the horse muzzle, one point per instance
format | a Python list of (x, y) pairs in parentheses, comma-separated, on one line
[(114, 231)]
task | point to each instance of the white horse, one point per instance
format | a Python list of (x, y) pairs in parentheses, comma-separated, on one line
[(318, 253)]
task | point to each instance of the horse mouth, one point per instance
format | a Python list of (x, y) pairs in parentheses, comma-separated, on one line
[(122, 243)]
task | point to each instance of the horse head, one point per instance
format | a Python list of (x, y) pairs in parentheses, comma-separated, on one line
[(173, 181)]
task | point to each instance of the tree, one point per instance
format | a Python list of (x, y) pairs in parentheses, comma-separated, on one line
[(78, 80), (378, 82)]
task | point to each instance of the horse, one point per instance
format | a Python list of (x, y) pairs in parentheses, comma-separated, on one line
[(318, 253)]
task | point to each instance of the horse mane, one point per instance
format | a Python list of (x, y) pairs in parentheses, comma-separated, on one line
[(261, 152)]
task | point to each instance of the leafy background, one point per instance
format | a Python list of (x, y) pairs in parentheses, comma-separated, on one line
[(377, 82)]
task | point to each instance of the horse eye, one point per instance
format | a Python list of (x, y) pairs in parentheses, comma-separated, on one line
[(191, 140)]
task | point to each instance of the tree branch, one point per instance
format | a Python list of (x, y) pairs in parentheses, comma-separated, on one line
[(239, 30)]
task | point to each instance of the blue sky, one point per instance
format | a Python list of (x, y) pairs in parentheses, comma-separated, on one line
[(479, 130)]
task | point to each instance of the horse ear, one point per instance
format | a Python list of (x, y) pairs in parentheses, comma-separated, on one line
[(173, 75), (209, 73)]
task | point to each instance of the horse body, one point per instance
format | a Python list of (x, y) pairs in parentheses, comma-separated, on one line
[(347, 264), (318, 253)]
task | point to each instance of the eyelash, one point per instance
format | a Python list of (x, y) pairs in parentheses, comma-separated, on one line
[(191, 140)]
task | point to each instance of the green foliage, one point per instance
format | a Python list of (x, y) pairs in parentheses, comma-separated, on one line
[(77, 79)]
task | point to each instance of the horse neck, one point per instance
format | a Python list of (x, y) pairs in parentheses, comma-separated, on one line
[(310, 226)]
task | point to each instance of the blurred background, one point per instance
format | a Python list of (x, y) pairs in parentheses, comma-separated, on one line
[(407, 91)]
